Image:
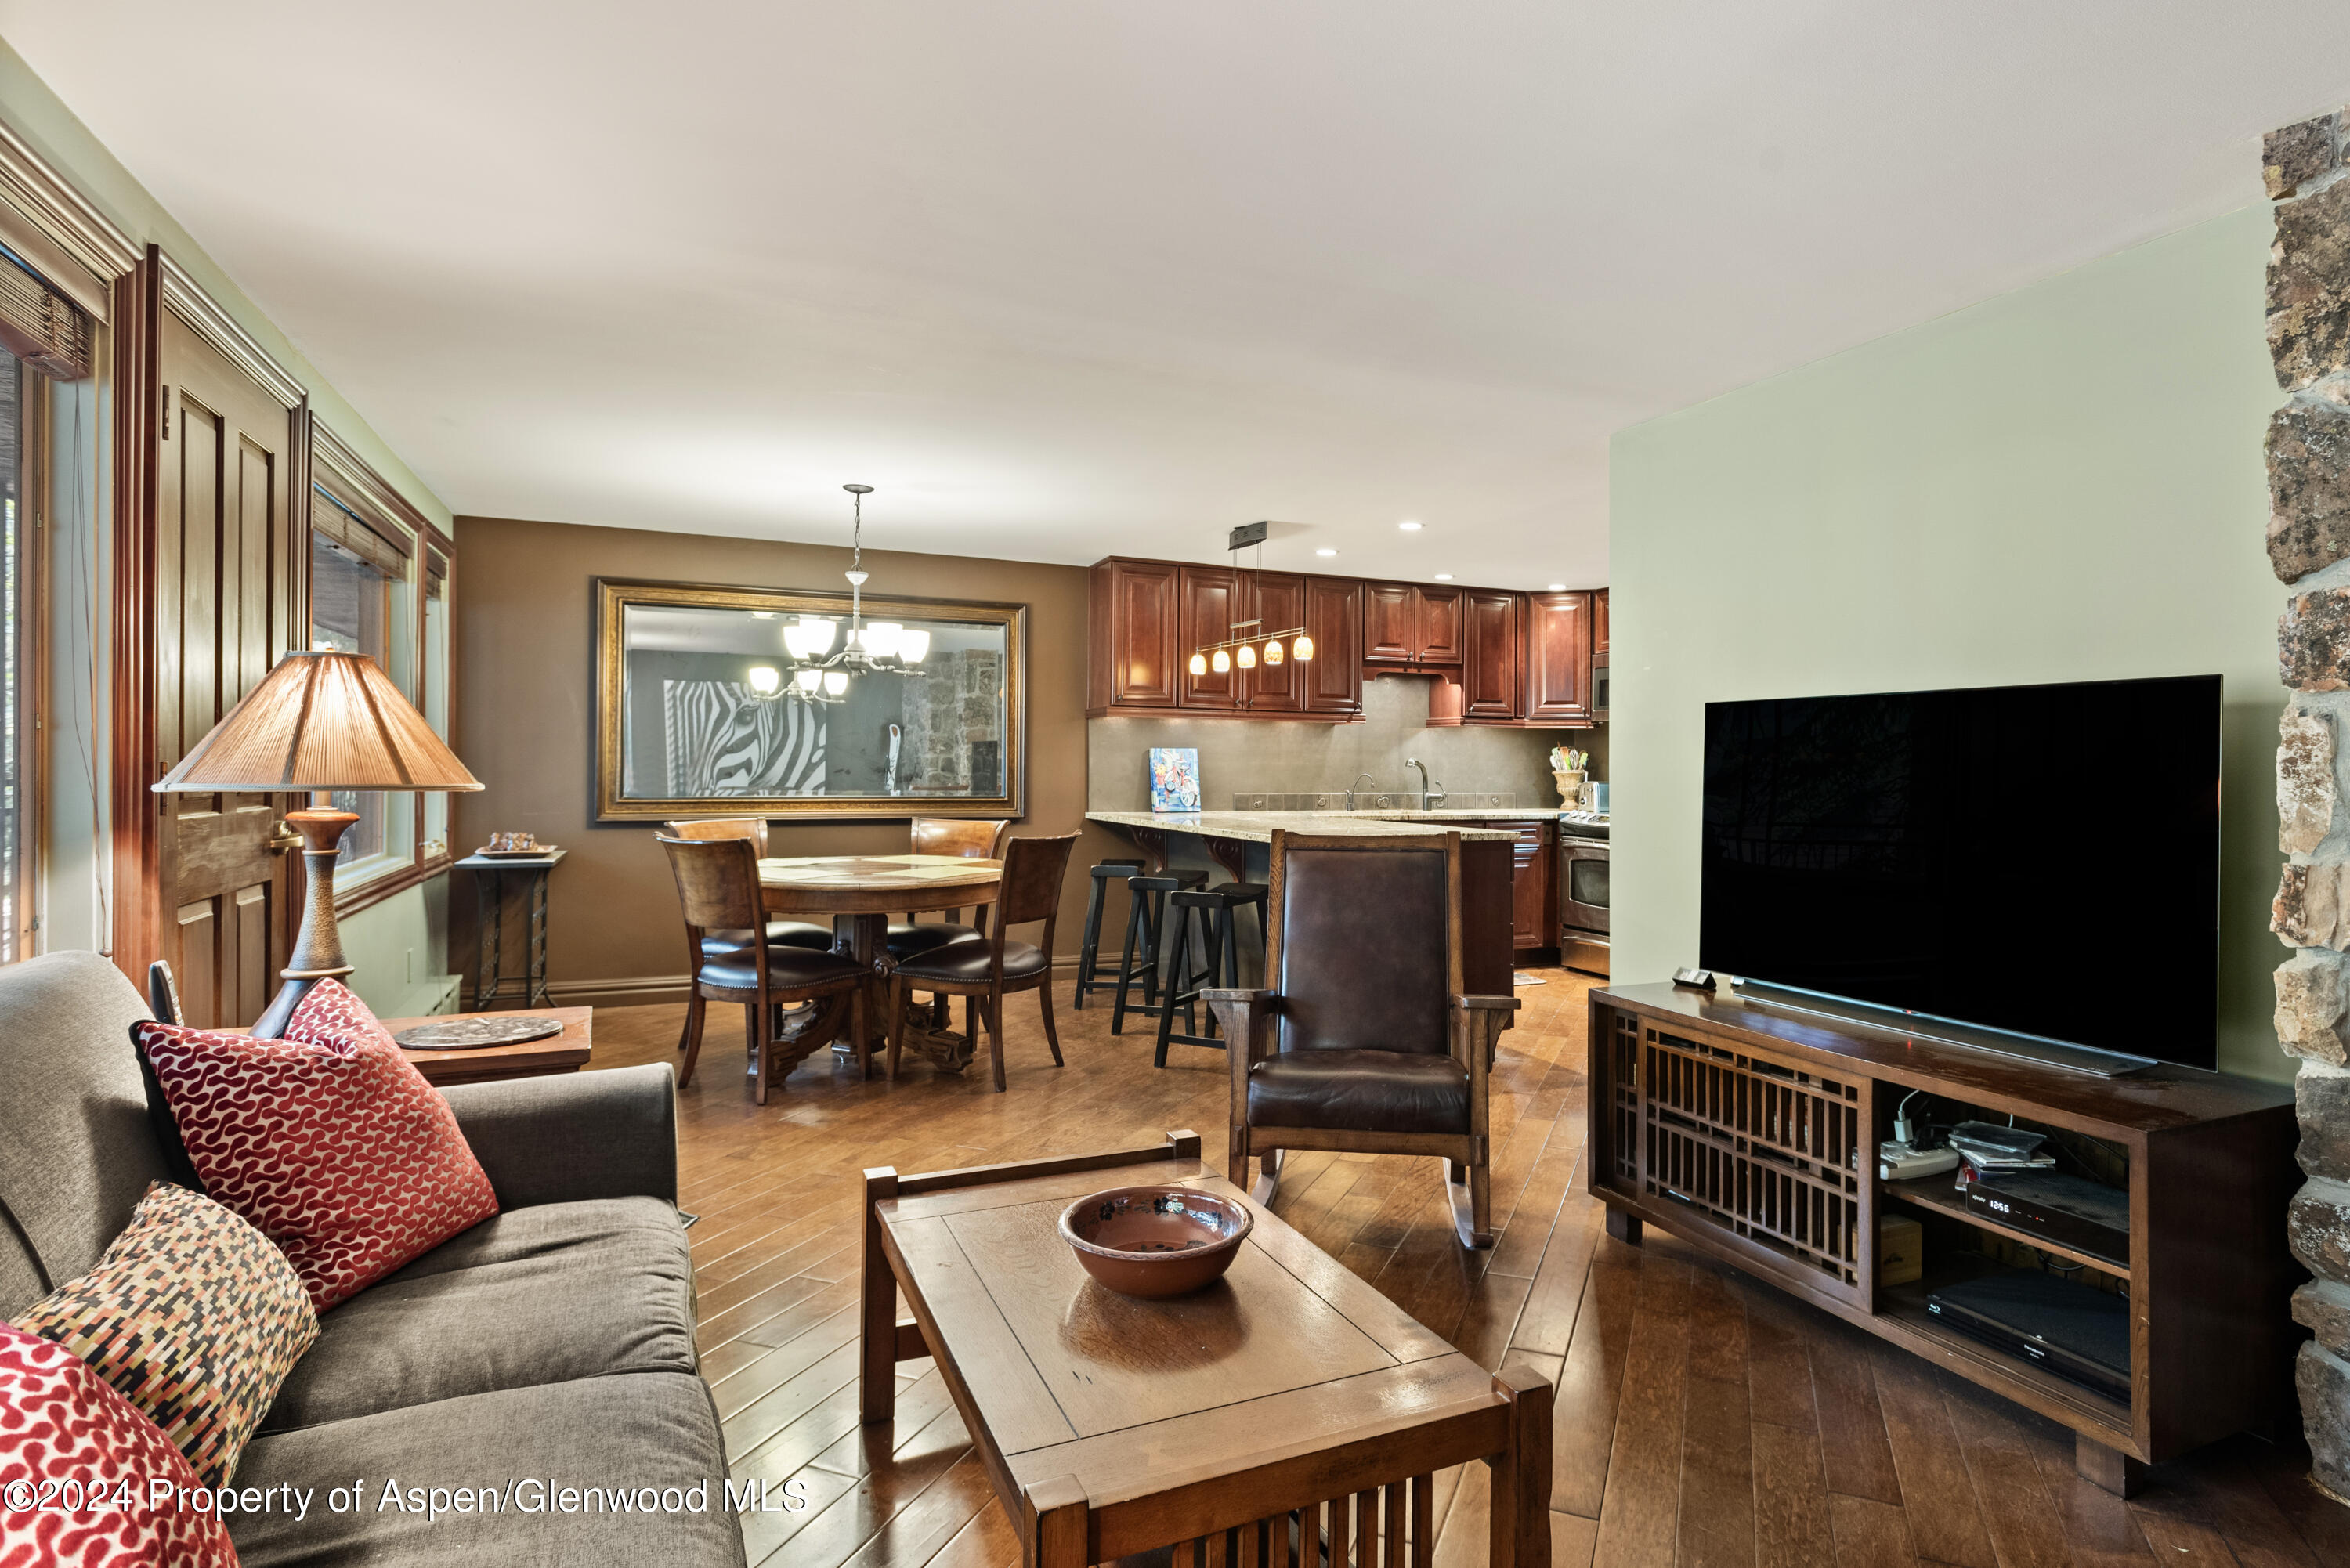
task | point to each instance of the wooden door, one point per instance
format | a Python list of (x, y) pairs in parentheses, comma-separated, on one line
[(1599, 620), (1531, 904), (1133, 632), (1278, 601), (1490, 656), (1390, 623), (1334, 619), (1208, 597), (1439, 621), (227, 590), (1558, 658)]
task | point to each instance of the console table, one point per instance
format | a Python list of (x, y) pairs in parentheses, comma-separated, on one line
[(496, 877), (1750, 1132)]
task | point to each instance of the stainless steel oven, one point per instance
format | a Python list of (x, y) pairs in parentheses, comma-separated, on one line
[(1583, 891), (1599, 687)]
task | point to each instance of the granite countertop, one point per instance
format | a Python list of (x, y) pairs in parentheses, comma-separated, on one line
[(1256, 826)]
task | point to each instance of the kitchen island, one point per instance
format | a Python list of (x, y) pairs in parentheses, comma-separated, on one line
[(1487, 861)]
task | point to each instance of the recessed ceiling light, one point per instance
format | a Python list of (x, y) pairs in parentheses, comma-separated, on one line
[(1557, 589), (1326, 550), (1408, 527), (1444, 577)]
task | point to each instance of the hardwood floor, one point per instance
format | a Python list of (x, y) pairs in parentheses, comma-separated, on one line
[(1703, 1418)]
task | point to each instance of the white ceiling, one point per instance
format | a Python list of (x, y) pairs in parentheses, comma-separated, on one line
[(1074, 276)]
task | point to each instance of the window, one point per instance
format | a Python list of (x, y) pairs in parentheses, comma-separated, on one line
[(18, 685), (436, 689), (361, 594)]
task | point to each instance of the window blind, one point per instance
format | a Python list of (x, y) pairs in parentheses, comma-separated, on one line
[(40, 326), (330, 519)]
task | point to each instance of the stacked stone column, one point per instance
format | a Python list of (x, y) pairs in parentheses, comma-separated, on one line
[(2309, 544)]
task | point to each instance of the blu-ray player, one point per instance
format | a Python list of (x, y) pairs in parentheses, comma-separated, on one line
[(2087, 1216), (2075, 1332)]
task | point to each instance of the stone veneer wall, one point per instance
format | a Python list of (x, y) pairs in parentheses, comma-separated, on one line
[(2309, 544)]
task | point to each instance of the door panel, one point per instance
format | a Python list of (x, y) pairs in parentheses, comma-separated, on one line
[(1390, 623), (1334, 679), (1280, 605), (1210, 597), (1558, 656), (1490, 657), (1139, 623), (1439, 625), (1599, 620), (225, 593)]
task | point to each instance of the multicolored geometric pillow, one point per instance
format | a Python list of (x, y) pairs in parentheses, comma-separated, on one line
[(86, 1479), (329, 1141), (194, 1317)]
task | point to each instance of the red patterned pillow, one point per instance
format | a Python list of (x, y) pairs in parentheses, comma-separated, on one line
[(329, 1141), (85, 1478)]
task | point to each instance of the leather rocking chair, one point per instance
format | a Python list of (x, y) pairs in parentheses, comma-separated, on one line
[(1364, 1039)]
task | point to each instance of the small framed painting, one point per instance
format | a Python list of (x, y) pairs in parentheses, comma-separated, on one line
[(1174, 778)]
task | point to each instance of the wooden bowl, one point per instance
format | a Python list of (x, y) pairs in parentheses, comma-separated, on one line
[(1156, 1241)]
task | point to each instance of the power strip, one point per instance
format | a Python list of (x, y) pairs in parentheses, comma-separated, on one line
[(1897, 1161)]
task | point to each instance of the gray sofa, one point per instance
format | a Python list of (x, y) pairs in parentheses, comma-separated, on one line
[(552, 1345)]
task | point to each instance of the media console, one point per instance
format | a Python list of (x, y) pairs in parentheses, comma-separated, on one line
[(1750, 1133)]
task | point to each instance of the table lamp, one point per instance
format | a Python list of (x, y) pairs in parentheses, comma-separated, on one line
[(320, 721)]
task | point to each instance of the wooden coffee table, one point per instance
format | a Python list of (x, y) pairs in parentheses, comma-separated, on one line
[(1261, 1423)]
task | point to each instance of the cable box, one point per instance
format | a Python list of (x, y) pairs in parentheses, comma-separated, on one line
[(2087, 1216), (2079, 1334)]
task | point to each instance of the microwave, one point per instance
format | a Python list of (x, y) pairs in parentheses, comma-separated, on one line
[(1599, 687)]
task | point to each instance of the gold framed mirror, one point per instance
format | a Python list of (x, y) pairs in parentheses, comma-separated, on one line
[(776, 702)]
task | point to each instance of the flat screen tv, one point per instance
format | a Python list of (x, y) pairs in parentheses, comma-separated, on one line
[(2042, 860)]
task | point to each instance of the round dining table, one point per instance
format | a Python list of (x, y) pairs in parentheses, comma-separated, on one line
[(861, 892)]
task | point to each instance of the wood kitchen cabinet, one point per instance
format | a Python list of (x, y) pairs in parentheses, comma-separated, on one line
[(1132, 636), (1492, 662), (1599, 620), (1500, 657), (1557, 648), (1332, 681), (1210, 598), (1408, 624), (1533, 893)]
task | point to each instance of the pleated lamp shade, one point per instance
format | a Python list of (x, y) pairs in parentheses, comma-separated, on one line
[(321, 720)]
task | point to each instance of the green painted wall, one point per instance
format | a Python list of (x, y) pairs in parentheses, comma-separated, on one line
[(380, 937), (2063, 483)]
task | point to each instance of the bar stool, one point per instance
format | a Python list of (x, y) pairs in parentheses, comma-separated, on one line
[(1210, 909), (1146, 923), (1089, 954)]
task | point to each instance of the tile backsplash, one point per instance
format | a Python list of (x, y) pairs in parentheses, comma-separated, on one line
[(1336, 800), (1291, 759)]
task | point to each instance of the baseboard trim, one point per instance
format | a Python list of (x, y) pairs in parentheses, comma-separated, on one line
[(654, 990)]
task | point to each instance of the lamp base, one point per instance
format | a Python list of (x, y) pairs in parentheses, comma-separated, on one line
[(318, 943)]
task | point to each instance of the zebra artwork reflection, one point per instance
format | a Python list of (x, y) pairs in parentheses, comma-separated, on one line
[(722, 738)]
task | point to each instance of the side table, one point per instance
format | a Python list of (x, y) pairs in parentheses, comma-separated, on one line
[(497, 880), (565, 1053)]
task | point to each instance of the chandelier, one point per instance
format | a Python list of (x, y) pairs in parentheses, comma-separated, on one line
[(819, 674), (1244, 650)]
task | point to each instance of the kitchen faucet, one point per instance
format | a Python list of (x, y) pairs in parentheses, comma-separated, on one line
[(1429, 798), (1350, 789)]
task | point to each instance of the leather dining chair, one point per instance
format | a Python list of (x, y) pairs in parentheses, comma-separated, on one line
[(1363, 1038), (975, 839), (718, 887), (787, 933), (988, 968)]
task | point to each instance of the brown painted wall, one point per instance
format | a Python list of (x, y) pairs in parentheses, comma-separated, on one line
[(524, 626)]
